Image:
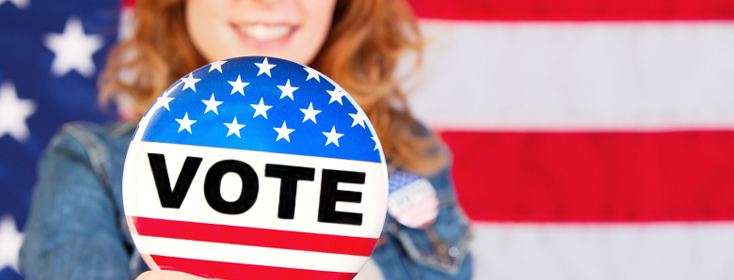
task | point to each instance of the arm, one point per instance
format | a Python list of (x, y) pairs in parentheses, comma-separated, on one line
[(72, 231)]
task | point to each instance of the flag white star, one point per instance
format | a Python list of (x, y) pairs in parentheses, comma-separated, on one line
[(217, 65), (312, 73), (10, 241), (310, 113), (283, 132), (264, 67), (211, 105), (332, 137), (185, 123), (377, 142), (234, 128), (359, 118), (336, 95), (190, 82), (261, 109), (238, 86), (287, 90), (21, 4), (14, 112), (73, 49)]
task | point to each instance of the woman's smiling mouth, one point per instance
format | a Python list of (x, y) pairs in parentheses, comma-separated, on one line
[(265, 32)]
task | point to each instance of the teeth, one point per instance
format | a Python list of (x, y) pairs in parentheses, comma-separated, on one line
[(265, 32)]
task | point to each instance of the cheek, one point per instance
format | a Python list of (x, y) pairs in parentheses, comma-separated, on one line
[(315, 30), (201, 23)]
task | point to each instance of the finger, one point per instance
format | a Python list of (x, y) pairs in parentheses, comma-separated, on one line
[(167, 275)]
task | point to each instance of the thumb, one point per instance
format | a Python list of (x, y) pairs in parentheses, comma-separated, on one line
[(167, 275)]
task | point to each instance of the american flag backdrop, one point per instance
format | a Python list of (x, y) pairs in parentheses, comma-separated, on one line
[(50, 54), (591, 139)]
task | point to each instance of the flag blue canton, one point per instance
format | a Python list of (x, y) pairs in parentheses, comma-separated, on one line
[(51, 51), (263, 104)]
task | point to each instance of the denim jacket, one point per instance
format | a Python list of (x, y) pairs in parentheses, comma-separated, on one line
[(77, 227)]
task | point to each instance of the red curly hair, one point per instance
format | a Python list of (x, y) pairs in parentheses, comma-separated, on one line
[(361, 53)]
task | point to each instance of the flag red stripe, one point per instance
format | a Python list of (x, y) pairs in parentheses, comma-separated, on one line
[(542, 10), (325, 243), (604, 176), (225, 270)]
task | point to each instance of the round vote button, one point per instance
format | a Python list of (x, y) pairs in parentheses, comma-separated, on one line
[(256, 168)]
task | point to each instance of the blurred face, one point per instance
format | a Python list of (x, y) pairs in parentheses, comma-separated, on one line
[(288, 29)]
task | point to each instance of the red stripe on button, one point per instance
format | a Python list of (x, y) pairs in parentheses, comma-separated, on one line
[(572, 10), (225, 270), (294, 240), (594, 177)]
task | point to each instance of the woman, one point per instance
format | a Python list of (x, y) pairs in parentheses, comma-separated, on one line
[(77, 227)]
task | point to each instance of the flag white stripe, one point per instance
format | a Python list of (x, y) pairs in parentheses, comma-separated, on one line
[(220, 252), (604, 251), (590, 76)]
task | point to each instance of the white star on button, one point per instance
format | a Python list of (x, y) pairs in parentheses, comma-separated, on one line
[(164, 100), (234, 128), (359, 118), (238, 86), (287, 90), (185, 123), (73, 49), (332, 137), (261, 109), (283, 132), (190, 82), (217, 65), (310, 113), (336, 95), (264, 67), (10, 241), (14, 112), (377, 142), (211, 105), (312, 73)]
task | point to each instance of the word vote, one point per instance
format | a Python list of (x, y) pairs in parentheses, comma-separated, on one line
[(289, 177)]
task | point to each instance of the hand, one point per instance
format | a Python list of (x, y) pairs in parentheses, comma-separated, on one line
[(167, 275)]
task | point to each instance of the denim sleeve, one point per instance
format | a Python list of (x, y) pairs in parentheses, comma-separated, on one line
[(438, 252), (72, 231)]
